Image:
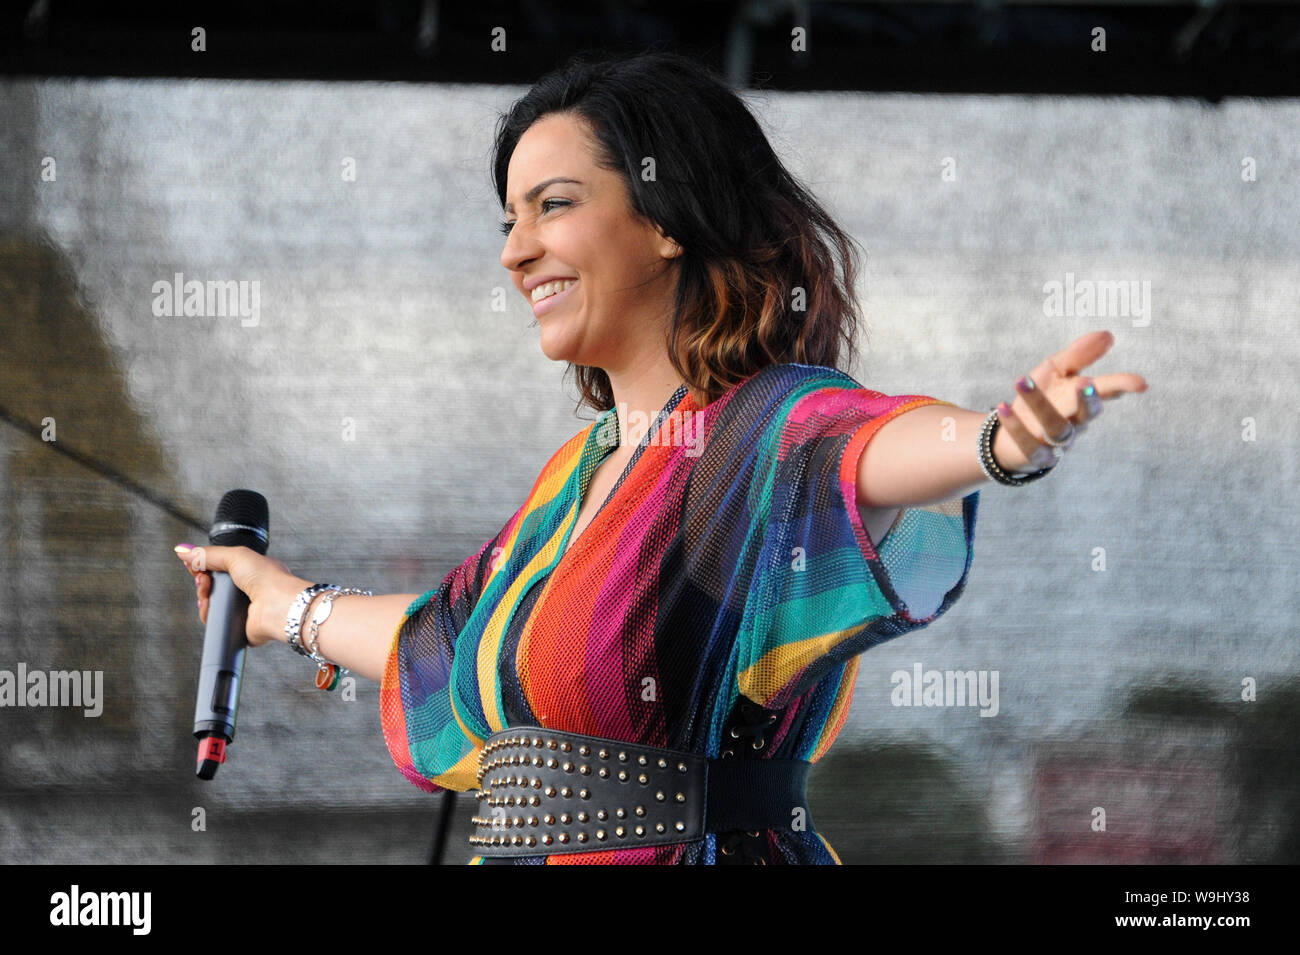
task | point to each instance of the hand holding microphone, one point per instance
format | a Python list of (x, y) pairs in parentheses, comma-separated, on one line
[(268, 583), (239, 570), (244, 600)]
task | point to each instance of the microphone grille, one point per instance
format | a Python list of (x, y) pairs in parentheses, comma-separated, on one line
[(243, 519)]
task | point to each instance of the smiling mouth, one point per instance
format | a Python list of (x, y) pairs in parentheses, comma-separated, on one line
[(551, 289), (553, 295)]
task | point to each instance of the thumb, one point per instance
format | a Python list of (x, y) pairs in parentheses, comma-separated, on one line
[(206, 558)]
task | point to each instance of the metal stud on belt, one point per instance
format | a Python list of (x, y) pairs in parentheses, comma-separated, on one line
[(544, 792)]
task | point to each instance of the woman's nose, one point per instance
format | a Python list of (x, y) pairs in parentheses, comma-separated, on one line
[(518, 250)]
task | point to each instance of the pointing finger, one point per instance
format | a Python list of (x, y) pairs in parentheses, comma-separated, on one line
[(1119, 384), (1081, 353)]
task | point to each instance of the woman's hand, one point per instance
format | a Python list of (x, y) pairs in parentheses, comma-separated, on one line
[(267, 582), (1052, 397)]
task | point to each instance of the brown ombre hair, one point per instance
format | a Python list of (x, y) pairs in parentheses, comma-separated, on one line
[(765, 275)]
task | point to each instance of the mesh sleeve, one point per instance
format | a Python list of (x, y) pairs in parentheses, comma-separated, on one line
[(821, 592), (424, 736)]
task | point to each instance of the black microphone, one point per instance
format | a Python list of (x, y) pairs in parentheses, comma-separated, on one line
[(242, 520)]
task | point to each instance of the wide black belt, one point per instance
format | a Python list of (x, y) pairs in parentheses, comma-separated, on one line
[(543, 792)]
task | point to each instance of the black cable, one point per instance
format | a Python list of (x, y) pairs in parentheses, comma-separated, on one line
[(444, 825), (102, 469)]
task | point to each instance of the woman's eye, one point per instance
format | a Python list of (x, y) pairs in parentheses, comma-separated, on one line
[(505, 226)]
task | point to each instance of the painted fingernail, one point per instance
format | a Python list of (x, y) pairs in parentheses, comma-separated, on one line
[(1024, 384), (1090, 390), (183, 549), (1004, 410)]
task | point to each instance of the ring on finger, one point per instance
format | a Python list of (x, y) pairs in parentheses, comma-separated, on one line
[(1058, 450), (1065, 440)]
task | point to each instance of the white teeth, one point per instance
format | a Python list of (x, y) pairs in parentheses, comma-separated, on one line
[(550, 288)]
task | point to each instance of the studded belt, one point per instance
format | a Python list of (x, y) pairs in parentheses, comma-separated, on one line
[(543, 792)]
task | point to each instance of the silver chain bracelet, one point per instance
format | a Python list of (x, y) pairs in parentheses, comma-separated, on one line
[(293, 620), (321, 615)]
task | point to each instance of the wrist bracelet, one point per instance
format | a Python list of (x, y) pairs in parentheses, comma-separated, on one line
[(322, 614), (989, 464), (327, 673), (293, 620)]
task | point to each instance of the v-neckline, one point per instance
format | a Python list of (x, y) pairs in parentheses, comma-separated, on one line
[(587, 466)]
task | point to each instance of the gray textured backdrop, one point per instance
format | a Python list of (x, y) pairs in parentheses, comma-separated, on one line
[(1120, 689)]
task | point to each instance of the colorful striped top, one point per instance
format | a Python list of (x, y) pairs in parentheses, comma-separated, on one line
[(729, 560)]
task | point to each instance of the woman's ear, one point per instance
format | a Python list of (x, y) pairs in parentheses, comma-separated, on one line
[(668, 247)]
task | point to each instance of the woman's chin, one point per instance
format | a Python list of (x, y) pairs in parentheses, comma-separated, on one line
[(554, 347)]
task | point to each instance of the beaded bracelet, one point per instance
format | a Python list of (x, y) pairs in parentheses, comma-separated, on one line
[(992, 469)]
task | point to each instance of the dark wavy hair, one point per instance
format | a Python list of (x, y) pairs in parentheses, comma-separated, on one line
[(765, 275)]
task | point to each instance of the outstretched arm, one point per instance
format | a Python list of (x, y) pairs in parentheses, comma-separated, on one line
[(928, 454)]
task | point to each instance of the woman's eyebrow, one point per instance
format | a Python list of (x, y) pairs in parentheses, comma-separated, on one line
[(536, 191)]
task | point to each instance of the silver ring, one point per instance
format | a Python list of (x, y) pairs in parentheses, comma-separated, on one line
[(1063, 442), (1058, 450)]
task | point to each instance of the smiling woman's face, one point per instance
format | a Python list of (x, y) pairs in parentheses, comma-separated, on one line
[(583, 228)]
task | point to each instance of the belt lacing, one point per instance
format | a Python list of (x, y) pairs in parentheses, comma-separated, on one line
[(738, 846)]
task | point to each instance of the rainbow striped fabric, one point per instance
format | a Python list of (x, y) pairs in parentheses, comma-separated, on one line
[(730, 559)]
